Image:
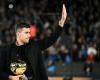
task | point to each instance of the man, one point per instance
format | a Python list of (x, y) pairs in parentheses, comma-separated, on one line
[(23, 59)]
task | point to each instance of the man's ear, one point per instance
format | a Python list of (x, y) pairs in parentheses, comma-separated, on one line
[(18, 32)]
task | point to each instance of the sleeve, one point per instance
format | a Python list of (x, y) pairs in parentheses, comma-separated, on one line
[(47, 42), (3, 74)]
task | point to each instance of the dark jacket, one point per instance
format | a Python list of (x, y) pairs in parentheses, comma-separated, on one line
[(32, 52)]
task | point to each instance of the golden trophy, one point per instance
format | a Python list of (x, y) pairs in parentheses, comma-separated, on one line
[(18, 68)]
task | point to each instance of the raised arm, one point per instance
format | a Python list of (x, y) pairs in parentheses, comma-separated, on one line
[(46, 42)]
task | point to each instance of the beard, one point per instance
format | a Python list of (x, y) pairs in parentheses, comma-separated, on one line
[(27, 41)]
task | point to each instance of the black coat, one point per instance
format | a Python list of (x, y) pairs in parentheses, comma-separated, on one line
[(32, 52)]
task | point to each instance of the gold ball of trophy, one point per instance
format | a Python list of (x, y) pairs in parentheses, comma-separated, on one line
[(18, 67)]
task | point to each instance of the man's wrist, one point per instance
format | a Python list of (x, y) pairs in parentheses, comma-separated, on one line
[(61, 23)]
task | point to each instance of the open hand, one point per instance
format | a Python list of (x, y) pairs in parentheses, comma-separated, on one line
[(63, 16)]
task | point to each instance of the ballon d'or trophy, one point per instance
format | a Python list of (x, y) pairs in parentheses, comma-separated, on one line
[(18, 68)]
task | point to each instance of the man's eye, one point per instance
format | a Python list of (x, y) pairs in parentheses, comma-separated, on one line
[(26, 32)]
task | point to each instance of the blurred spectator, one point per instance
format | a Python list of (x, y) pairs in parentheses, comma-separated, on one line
[(53, 56), (65, 54), (91, 52)]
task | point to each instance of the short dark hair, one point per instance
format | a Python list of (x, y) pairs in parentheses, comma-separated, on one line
[(21, 25)]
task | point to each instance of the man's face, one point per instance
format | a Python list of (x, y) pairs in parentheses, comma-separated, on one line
[(24, 35)]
